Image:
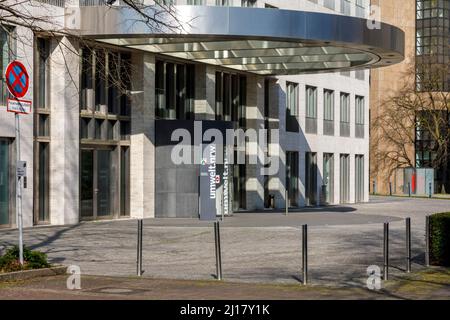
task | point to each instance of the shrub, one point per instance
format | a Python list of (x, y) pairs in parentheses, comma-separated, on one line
[(440, 239), (9, 262)]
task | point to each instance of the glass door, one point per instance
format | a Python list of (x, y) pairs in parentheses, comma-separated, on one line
[(87, 184), (102, 190), (292, 177), (4, 183), (359, 177), (239, 191), (95, 195), (328, 177), (311, 179), (345, 178)]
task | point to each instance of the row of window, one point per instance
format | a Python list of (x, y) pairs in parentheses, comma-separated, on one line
[(325, 182), (292, 111)]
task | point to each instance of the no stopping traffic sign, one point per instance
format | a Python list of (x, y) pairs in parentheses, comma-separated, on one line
[(17, 79)]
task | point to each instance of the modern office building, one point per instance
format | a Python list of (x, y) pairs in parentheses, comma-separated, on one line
[(426, 27), (111, 93)]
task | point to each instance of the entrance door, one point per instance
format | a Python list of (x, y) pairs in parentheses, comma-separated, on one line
[(292, 177), (96, 184), (328, 177), (4, 183), (311, 179), (239, 191), (359, 176), (345, 178)]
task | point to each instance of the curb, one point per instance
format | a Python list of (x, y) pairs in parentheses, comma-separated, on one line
[(30, 274)]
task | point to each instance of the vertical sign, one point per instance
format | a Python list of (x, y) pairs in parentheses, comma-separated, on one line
[(208, 183), (226, 198)]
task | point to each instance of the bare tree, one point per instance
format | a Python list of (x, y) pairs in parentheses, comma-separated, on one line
[(417, 116), (43, 18)]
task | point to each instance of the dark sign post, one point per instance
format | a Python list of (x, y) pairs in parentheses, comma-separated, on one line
[(17, 81)]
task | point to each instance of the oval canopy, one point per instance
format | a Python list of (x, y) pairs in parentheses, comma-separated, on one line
[(261, 41)]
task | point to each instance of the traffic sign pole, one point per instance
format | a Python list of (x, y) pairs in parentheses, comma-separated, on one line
[(19, 217), (17, 81)]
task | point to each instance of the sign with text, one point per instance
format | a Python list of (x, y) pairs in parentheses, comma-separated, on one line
[(19, 106), (21, 168)]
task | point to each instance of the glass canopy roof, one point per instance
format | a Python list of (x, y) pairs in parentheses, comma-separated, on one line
[(261, 41)]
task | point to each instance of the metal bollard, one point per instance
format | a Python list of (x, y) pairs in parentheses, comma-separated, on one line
[(287, 202), (429, 188), (373, 188), (139, 248), (386, 251), (409, 189), (390, 189), (305, 253), (427, 241), (408, 245), (218, 251)]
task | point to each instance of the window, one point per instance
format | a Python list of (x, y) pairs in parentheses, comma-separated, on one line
[(311, 109), (5, 182), (195, 2), (224, 3), (345, 115), (43, 74), (328, 112), (359, 117), (231, 97), (345, 7), (292, 107), (175, 90), (248, 3), (329, 4), (6, 56)]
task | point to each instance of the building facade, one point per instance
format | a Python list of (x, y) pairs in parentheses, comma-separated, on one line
[(99, 144), (425, 69)]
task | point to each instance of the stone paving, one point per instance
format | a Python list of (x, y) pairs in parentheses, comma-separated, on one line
[(257, 247)]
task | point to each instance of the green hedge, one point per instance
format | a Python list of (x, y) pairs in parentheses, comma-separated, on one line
[(440, 239), (9, 262)]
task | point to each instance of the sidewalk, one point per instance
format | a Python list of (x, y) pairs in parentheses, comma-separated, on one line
[(343, 242), (432, 284)]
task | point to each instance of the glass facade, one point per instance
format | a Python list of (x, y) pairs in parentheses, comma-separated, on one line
[(175, 90), (42, 118), (231, 97), (432, 45), (105, 128), (432, 74)]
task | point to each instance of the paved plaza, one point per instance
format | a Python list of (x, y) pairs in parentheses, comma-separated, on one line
[(257, 247)]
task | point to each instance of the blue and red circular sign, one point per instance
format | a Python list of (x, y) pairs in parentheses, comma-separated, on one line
[(17, 79)]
